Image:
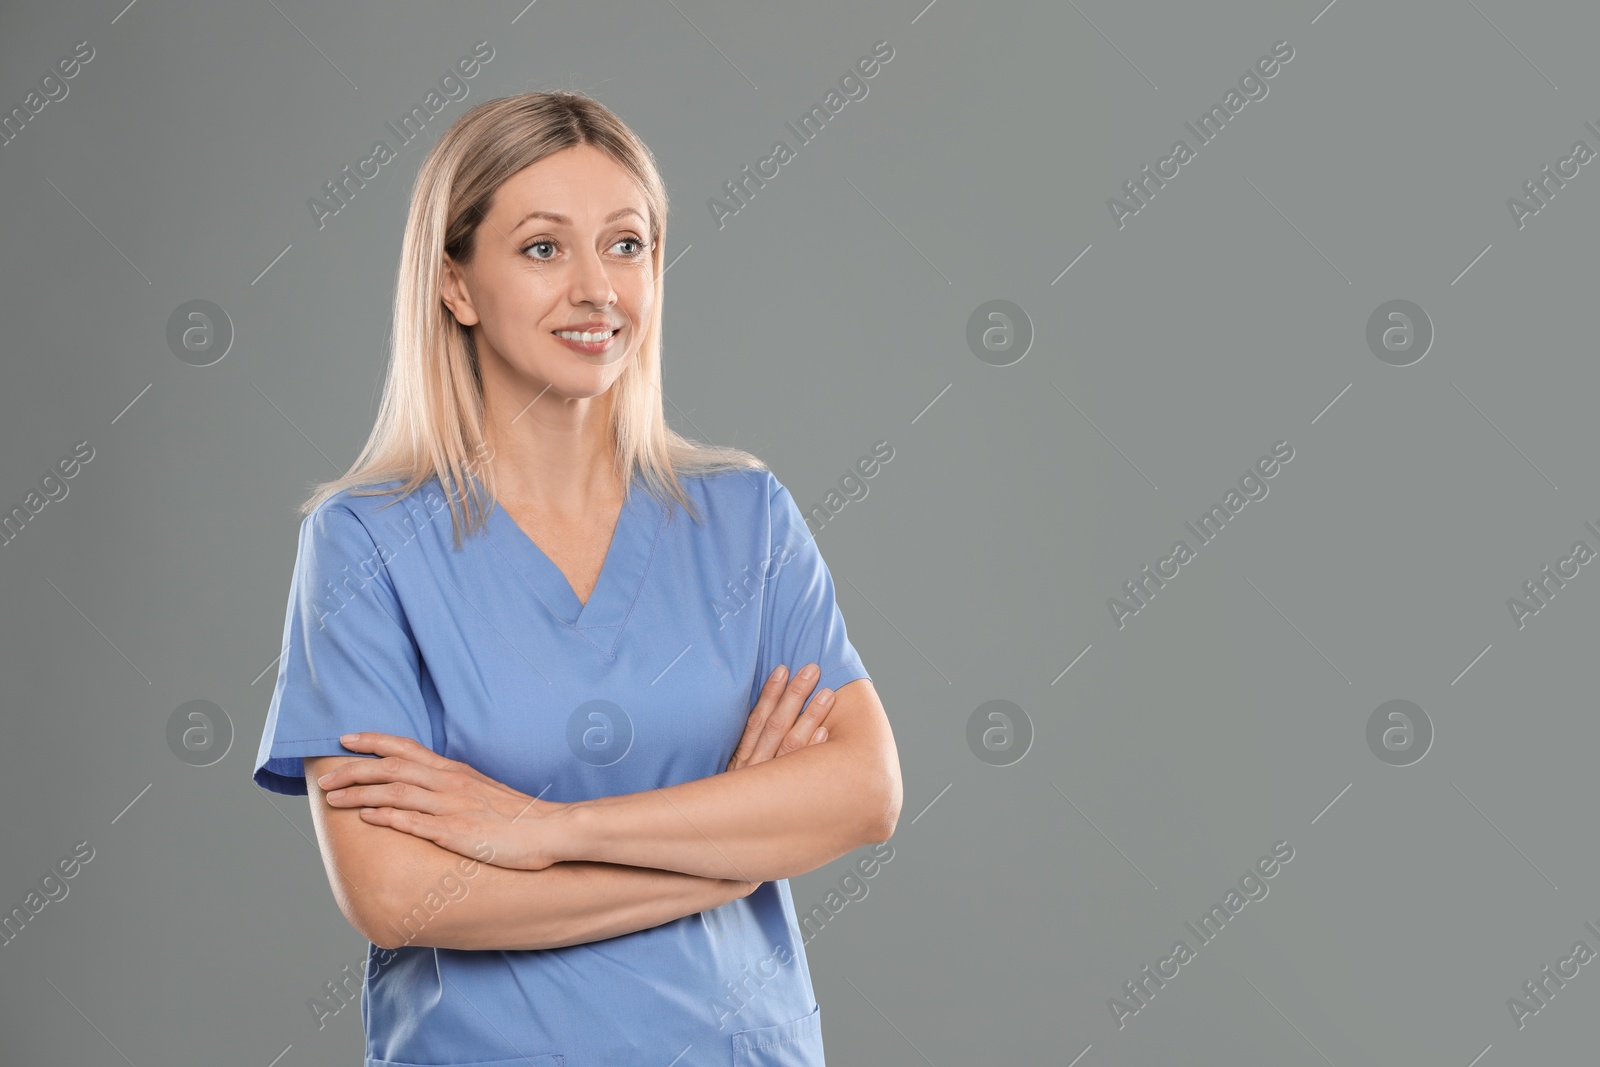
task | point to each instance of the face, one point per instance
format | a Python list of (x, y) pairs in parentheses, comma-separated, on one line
[(562, 248)]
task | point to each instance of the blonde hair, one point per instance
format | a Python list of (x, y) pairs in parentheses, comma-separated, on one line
[(431, 418)]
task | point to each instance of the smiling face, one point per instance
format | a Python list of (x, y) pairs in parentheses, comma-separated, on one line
[(563, 247)]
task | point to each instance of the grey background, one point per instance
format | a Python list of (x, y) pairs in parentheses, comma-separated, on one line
[(1226, 316)]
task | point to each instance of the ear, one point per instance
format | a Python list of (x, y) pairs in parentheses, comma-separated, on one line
[(453, 291)]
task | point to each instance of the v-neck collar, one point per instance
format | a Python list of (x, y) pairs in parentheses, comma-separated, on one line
[(602, 617)]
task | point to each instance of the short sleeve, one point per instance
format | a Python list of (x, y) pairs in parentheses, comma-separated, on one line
[(349, 659), (801, 622)]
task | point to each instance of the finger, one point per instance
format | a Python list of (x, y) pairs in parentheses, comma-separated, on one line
[(410, 822), (820, 736), (782, 718), (770, 692), (810, 720), (393, 745), (392, 795), (386, 769)]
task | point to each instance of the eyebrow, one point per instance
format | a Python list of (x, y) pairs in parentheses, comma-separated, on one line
[(565, 221)]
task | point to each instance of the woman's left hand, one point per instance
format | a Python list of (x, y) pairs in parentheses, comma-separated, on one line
[(417, 791)]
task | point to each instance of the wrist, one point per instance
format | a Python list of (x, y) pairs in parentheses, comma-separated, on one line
[(570, 831)]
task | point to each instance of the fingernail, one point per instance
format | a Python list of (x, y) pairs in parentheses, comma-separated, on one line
[(777, 672), (810, 671), (823, 698), (345, 739), (323, 779)]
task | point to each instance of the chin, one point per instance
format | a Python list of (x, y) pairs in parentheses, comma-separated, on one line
[(582, 383)]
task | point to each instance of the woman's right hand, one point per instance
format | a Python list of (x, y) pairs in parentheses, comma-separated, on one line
[(772, 730)]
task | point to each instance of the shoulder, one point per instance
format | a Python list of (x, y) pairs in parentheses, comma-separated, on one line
[(729, 494), (356, 512), (749, 506)]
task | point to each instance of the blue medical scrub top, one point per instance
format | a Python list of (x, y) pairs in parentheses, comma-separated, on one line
[(485, 655)]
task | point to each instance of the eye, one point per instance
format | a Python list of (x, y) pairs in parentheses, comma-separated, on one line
[(639, 251)]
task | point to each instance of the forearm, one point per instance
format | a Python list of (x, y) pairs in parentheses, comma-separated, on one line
[(758, 823), (400, 889), (448, 901)]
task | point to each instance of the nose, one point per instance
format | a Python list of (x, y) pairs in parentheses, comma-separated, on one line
[(590, 281)]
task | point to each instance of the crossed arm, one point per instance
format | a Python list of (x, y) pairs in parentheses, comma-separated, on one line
[(567, 874)]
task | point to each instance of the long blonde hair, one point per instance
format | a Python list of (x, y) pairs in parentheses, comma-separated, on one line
[(431, 419)]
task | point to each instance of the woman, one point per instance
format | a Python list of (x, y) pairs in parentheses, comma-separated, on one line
[(573, 846)]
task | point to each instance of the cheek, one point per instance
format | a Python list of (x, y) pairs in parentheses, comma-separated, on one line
[(512, 310), (641, 302)]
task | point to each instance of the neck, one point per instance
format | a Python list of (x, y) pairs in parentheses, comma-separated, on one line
[(552, 453)]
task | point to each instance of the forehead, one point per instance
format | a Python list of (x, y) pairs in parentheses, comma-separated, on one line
[(580, 184)]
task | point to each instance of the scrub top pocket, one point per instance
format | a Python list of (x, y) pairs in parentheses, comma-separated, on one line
[(797, 1043)]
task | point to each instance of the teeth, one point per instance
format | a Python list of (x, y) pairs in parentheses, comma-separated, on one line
[(598, 335)]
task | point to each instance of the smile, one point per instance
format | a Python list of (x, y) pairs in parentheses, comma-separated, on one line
[(586, 342)]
